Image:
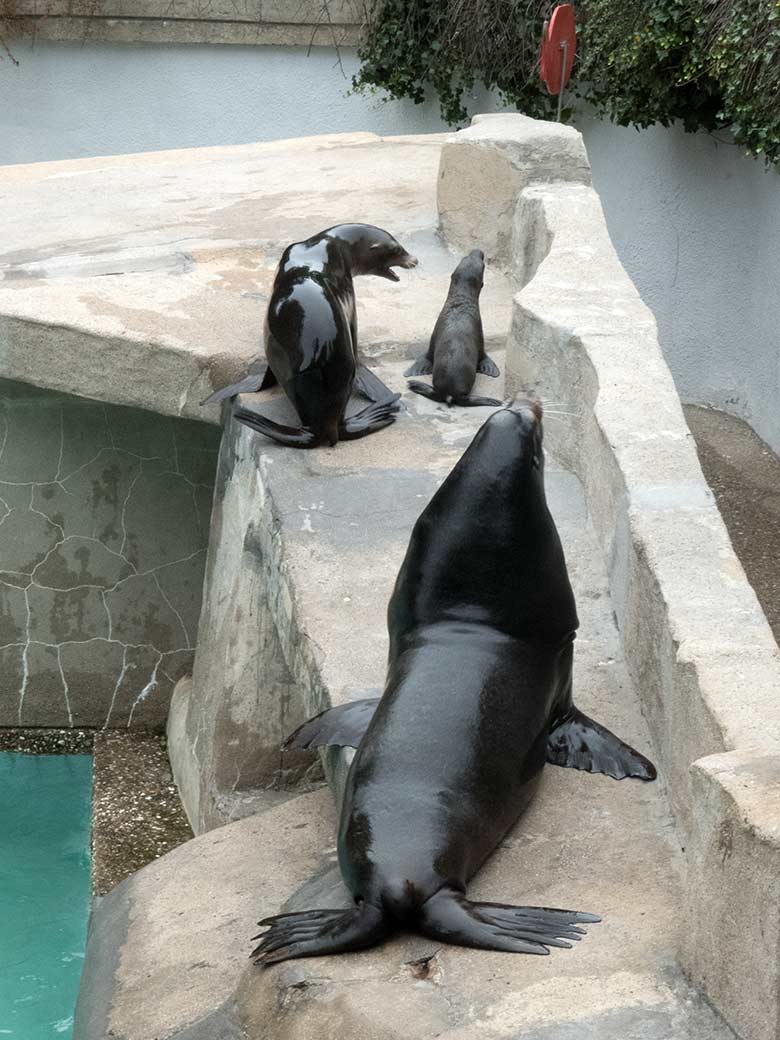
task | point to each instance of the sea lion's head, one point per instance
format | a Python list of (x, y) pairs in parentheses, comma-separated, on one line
[(372, 250), (470, 272), (512, 436)]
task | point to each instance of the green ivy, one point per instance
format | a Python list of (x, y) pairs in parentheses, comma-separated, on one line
[(645, 63), (415, 45), (745, 57), (708, 64)]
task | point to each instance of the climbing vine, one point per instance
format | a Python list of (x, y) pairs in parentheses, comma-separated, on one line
[(708, 64), (449, 45)]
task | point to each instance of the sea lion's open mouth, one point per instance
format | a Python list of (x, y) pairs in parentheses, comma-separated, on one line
[(407, 262)]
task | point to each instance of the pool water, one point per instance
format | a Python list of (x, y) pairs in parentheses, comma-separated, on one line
[(45, 817)]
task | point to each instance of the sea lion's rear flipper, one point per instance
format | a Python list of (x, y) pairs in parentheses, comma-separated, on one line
[(452, 918), (316, 933), (488, 367), (581, 743), (287, 435), (258, 377), (470, 401), (342, 726), (369, 420), (424, 390), (423, 366), (370, 386)]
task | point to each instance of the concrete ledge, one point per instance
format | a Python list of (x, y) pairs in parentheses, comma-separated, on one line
[(300, 23), (155, 305), (691, 624), (697, 643), (484, 168), (734, 907)]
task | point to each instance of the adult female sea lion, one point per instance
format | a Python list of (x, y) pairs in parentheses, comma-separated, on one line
[(478, 698), (457, 348), (311, 338)]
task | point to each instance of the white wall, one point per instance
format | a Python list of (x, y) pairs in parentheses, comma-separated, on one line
[(66, 100), (697, 225)]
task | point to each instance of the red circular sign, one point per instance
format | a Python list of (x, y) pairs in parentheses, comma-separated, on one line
[(559, 46)]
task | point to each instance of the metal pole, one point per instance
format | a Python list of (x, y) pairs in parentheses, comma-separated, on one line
[(565, 49)]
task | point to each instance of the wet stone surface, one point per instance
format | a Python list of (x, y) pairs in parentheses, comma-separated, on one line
[(104, 521), (137, 816)]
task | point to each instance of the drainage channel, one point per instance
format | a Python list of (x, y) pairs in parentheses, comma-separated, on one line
[(744, 474)]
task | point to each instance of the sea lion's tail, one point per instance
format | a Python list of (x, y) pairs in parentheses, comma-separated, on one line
[(316, 933), (452, 918)]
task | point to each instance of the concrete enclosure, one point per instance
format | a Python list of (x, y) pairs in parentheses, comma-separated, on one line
[(694, 222), (303, 551)]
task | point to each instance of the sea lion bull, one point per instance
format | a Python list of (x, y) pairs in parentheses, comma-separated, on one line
[(478, 697), (311, 338), (456, 351)]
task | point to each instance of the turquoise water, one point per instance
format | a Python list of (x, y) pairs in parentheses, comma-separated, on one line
[(45, 813)]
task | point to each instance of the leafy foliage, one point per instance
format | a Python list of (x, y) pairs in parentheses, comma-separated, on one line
[(646, 62), (744, 57), (706, 63), (449, 45)]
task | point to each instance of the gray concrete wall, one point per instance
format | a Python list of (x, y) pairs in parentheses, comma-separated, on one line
[(697, 226), (67, 100), (103, 535)]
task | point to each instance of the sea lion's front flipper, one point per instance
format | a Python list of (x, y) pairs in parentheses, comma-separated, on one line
[(374, 417), (370, 386), (342, 726), (423, 366), (581, 743), (449, 916), (258, 377), (424, 390), (488, 367), (315, 933), (470, 401), (287, 435)]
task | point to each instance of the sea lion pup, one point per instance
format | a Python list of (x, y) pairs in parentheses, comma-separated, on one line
[(457, 348), (478, 698), (311, 338)]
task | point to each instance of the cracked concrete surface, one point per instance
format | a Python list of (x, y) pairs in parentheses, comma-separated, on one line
[(103, 542)]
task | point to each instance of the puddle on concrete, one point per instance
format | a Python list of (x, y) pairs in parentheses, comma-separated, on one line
[(45, 818)]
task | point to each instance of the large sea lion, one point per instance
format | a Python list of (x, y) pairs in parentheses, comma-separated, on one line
[(456, 351), (311, 338), (478, 697)]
